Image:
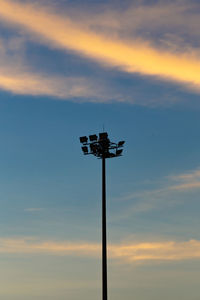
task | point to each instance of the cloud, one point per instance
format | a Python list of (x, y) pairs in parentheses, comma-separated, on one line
[(35, 84), (186, 181), (17, 77), (30, 246), (134, 57), (168, 193), (159, 20), (191, 175), (80, 89), (131, 252), (186, 186), (160, 251)]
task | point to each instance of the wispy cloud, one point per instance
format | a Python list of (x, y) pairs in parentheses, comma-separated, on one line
[(158, 251), (180, 182), (190, 175), (186, 181), (29, 245), (186, 186), (36, 84), (80, 89), (135, 57), (19, 78), (131, 252), (169, 193), (161, 21)]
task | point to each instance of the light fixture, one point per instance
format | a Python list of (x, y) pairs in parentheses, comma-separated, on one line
[(85, 149), (83, 139), (93, 137), (119, 152), (103, 135), (102, 148), (121, 143)]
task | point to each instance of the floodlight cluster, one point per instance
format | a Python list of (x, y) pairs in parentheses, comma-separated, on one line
[(100, 146)]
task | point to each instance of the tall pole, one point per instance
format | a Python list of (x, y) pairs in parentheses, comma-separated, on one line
[(104, 246), (101, 147)]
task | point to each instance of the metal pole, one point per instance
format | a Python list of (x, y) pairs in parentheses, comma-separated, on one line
[(104, 246), (101, 147)]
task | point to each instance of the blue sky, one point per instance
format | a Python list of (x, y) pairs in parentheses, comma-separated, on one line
[(70, 68)]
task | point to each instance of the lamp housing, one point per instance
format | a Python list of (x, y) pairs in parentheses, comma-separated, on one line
[(121, 144), (119, 152), (83, 139), (85, 149), (93, 137), (103, 136)]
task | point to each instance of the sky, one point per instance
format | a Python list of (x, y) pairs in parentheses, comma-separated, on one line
[(74, 68)]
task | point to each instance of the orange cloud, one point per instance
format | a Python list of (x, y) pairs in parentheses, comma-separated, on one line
[(28, 246), (18, 78), (25, 82), (136, 57), (151, 251), (162, 251)]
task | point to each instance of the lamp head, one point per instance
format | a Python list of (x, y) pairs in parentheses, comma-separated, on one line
[(93, 137), (121, 144), (119, 152), (103, 136), (83, 139), (85, 149)]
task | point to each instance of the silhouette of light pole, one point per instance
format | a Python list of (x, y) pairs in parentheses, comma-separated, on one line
[(101, 147)]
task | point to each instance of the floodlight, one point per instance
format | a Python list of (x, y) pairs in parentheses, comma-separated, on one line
[(93, 137), (103, 135), (111, 154), (101, 147), (85, 149), (121, 143), (83, 139), (119, 152)]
